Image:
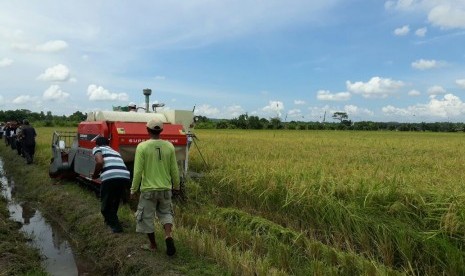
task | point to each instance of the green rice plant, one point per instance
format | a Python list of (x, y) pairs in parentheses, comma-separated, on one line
[(237, 261), (285, 249)]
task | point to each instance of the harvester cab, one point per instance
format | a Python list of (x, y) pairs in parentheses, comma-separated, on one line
[(72, 152)]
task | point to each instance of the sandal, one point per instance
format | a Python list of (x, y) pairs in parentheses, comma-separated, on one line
[(148, 248)]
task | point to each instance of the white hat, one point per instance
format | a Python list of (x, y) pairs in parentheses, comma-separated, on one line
[(131, 104), (155, 124)]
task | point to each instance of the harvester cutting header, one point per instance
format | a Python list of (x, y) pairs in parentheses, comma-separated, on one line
[(72, 152)]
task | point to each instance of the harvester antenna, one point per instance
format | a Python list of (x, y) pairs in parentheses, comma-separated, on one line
[(147, 92)]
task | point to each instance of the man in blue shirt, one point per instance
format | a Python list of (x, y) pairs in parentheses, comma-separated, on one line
[(110, 167)]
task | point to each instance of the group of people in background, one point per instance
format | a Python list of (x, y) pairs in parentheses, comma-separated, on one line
[(20, 136)]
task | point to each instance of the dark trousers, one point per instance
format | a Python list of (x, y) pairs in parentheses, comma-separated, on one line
[(13, 143), (29, 151), (111, 192), (19, 147)]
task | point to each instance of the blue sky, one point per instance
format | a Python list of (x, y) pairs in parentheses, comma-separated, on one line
[(400, 60)]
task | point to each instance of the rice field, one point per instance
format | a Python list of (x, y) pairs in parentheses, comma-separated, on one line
[(324, 202)]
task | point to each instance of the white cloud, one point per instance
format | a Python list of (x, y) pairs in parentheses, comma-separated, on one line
[(376, 87), (448, 106), (414, 93), (299, 102), (234, 111), (446, 14), (47, 47), (321, 113), (435, 90), (423, 64), (391, 110), (399, 4), (404, 30), (4, 62), (206, 110), (24, 99), (325, 95), (52, 46), (294, 113), (274, 108), (421, 32), (160, 77), (461, 83), (54, 93), (98, 93), (56, 73), (353, 110)]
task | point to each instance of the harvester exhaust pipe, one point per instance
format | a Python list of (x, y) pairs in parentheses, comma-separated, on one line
[(147, 93)]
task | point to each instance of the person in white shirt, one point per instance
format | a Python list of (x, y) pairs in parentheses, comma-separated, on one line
[(132, 107)]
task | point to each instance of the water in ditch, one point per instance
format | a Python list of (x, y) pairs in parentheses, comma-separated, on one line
[(48, 237)]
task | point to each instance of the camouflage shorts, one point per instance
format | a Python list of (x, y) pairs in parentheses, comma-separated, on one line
[(150, 204)]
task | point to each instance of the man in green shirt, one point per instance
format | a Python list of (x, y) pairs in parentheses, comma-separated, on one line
[(155, 175)]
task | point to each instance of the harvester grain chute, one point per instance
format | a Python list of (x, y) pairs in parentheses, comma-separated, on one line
[(72, 152)]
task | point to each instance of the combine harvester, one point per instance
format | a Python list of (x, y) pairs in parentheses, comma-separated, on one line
[(72, 152)]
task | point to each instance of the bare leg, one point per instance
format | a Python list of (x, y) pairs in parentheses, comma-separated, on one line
[(153, 244), (168, 229), (170, 248)]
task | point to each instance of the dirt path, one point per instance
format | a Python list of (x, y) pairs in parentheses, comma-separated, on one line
[(77, 211)]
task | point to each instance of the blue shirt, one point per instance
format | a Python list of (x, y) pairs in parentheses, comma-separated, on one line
[(113, 164)]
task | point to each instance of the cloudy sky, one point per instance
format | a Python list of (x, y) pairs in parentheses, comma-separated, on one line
[(401, 60)]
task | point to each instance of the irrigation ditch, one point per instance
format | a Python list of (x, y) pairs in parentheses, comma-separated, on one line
[(58, 257)]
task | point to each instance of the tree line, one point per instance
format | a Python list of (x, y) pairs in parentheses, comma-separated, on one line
[(244, 121), (254, 122), (42, 118)]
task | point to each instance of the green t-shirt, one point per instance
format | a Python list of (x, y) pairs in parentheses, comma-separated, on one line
[(155, 166)]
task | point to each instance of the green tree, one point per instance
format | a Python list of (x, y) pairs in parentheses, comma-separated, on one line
[(241, 121), (223, 124), (341, 116), (275, 123), (77, 116), (201, 119), (255, 123)]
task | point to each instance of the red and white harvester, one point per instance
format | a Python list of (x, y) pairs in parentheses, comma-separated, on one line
[(72, 152)]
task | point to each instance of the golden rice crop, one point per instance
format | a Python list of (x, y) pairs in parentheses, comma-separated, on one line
[(371, 202), (386, 196)]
